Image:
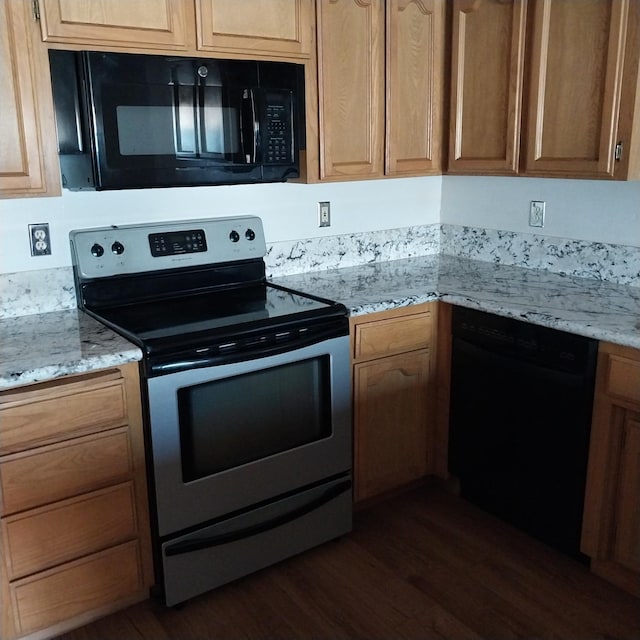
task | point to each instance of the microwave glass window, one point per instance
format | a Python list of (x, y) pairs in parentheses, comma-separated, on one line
[(234, 421), (184, 113), (220, 124), (145, 130)]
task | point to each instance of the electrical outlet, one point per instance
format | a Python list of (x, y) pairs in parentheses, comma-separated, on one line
[(324, 214), (536, 213), (39, 239)]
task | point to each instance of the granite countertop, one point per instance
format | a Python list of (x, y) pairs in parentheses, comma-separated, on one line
[(44, 346), (49, 345), (584, 306)]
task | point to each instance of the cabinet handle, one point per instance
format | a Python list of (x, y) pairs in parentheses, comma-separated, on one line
[(618, 152)]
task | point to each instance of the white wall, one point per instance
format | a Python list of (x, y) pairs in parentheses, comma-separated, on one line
[(591, 210), (288, 212)]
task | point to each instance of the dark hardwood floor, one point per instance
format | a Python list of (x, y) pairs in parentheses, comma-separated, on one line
[(423, 564)]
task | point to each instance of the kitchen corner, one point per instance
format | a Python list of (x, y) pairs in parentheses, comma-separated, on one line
[(585, 306)]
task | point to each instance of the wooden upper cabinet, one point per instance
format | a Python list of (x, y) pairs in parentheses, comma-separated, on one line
[(487, 63), (28, 152), (241, 29), (134, 24), (282, 27), (577, 65), (414, 86), (351, 88), (380, 75)]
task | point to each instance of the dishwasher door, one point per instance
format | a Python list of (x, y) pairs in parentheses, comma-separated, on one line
[(521, 400)]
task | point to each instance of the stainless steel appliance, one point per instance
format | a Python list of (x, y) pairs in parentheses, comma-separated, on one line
[(247, 393), (520, 420), (133, 120)]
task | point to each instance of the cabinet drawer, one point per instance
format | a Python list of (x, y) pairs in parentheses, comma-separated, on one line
[(48, 536), (57, 595), (624, 378), (63, 470), (392, 335), (54, 412)]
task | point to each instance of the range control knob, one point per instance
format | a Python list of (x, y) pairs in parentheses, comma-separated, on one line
[(234, 236), (250, 234), (117, 248), (97, 250)]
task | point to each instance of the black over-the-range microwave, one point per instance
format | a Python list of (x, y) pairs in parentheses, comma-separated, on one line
[(134, 121)]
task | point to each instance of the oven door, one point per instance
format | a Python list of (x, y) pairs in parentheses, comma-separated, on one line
[(227, 438)]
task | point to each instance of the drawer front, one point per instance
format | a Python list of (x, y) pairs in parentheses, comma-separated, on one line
[(57, 595), (64, 470), (392, 335), (48, 417), (49, 536), (624, 378)]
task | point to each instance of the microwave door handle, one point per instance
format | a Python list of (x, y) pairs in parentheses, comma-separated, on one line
[(250, 127)]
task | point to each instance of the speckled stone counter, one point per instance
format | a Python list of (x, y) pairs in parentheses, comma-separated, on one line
[(585, 306), (49, 345)]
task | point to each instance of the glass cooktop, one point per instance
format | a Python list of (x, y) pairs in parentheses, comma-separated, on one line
[(231, 311)]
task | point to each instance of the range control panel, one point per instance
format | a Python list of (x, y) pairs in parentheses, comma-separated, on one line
[(174, 243), (126, 249)]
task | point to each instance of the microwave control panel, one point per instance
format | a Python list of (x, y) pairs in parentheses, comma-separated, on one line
[(278, 137)]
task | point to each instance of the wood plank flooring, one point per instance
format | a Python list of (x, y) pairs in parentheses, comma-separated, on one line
[(421, 565)]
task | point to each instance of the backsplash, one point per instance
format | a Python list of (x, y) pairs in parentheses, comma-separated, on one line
[(611, 262), (316, 254), (30, 292)]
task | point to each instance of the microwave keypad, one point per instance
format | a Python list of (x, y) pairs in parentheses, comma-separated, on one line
[(278, 143)]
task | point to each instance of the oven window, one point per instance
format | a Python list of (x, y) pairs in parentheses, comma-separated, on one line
[(233, 421)]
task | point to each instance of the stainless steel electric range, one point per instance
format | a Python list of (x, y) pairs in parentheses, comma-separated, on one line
[(246, 389)]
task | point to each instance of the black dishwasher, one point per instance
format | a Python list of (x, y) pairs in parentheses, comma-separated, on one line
[(521, 401)]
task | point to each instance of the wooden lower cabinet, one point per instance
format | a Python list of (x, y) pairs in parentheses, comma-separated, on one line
[(74, 524), (393, 387), (611, 526)]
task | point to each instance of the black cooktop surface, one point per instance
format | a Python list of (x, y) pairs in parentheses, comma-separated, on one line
[(232, 311)]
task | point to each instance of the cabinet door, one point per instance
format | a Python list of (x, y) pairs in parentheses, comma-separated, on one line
[(611, 523), (351, 88), (487, 61), (261, 26), (626, 545), (577, 58), (414, 76), (391, 422), (28, 152), (77, 589), (135, 24)]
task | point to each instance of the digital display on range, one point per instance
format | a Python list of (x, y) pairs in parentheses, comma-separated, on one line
[(177, 242)]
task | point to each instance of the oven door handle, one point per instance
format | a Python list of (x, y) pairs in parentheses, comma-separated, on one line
[(197, 544)]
